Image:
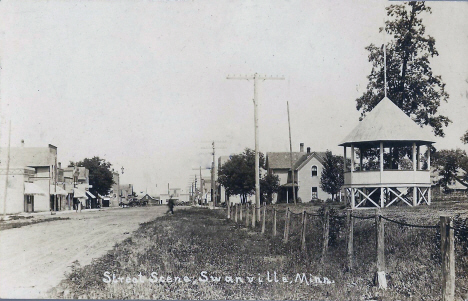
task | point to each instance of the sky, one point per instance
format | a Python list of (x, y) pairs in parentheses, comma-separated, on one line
[(142, 84)]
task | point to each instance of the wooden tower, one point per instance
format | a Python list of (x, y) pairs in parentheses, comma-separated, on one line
[(390, 160)]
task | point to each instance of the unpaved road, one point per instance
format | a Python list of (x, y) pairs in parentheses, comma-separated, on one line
[(34, 258)]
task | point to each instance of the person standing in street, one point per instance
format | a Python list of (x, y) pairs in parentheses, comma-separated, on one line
[(170, 204)]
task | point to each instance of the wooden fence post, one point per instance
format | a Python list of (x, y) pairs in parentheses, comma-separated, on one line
[(254, 215), (350, 240), (229, 211), (235, 215), (274, 221), (380, 279), (326, 230), (240, 212), (246, 215), (303, 238), (447, 250), (264, 218), (286, 225)]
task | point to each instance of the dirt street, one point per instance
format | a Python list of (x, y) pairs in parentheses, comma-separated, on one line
[(34, 258)]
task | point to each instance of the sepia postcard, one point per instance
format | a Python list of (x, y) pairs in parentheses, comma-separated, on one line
[(234, 150)]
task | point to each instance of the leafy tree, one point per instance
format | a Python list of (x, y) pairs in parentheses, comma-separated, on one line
[(411, 84), (464, 138), (238, 174), (100, 174), (332, 177), (452, 165), (269, 184)]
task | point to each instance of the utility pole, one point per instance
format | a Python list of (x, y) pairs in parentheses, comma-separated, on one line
[(214, 190), (7, 173), (201, 186), (201, 182), (256, 77), (291, 156)]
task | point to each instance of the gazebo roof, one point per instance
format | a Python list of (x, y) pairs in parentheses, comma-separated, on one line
[(387, 122)]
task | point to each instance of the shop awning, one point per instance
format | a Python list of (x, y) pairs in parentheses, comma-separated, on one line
[(31, 188), (57, 190), (78, 193), (103, 197), (90, 194)]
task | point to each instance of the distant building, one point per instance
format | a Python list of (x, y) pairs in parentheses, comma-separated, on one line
[(77, 185), (175, 194), (453, 187), (126, 193), (32, 179), (307, 169), (150, 201), (114, 194)]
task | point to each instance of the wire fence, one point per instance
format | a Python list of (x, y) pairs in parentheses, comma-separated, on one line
[(347, 238)]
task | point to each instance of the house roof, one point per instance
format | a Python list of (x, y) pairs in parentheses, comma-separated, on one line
[(282, 160), (307, 157), (152, 198), (387, 122)]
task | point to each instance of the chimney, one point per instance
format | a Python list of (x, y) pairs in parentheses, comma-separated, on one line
[(60, 165), (308, 150), (301, 147), (22, 142)]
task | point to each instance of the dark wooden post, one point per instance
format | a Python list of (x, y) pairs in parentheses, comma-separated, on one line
[(326, 230), (447, 250), (254, 216), (240, 213), (350, 240), (380, 279), (303, 238), (264, 218), (286, 225), (246, 215), (274, 221)]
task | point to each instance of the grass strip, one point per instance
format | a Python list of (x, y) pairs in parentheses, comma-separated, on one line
[(198, 244), (6, 226)]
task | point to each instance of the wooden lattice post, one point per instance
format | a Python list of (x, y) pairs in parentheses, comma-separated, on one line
[(303, 238), (274, 221), (240, 212), (264, 218), (380, 279), (447, 250), (350, 238), (286, 225), (326, 231), (246, 215)]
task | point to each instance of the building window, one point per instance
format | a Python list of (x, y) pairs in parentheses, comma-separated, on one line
[(314, 171), (314, 193)]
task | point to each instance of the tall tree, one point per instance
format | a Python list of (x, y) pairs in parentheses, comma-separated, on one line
[(332, 177), (452, 165), (269, 184), (411, 84), (238, 174), (100, 174)]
